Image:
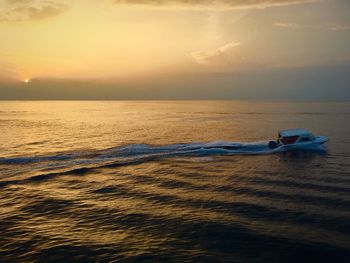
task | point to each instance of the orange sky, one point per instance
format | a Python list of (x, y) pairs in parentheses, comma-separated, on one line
[(128, 39)]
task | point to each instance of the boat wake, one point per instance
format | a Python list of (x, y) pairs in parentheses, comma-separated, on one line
[(125, 155)]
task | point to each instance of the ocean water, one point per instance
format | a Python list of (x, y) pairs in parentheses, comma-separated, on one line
[(128, 181)]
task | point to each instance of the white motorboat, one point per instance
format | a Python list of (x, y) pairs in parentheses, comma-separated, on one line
[(297, 139)]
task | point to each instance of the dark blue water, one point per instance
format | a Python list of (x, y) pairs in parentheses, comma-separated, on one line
[(151, 181)]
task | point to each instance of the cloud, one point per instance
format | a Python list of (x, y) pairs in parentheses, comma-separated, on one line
[(24, 10), (228, 57), (225, 4), (218, 56), (290, 25), (328, 26)]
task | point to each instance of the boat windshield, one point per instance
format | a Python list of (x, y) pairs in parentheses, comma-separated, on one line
[(289, 139)]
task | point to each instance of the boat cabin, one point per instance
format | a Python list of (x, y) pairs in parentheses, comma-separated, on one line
[(295, 136)]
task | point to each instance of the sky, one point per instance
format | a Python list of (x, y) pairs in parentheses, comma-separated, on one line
[(175, 49)]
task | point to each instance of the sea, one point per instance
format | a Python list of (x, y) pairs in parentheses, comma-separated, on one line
[(150, 181)]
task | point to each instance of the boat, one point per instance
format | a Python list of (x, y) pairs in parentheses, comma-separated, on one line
[(297, 139)]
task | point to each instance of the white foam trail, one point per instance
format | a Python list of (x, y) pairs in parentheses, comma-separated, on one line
[(137, 153), (134, 150)]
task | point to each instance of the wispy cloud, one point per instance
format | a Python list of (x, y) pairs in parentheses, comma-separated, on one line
[(288, 25), (328, 26), (228, 57), (24, 10), (217, 56), (225, 4)]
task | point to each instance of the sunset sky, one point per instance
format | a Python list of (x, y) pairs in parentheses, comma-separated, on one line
[(174, 49)]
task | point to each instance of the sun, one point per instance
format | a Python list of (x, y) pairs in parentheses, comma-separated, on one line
[(26, 80)]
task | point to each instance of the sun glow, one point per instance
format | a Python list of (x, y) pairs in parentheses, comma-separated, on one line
[(26, 80)]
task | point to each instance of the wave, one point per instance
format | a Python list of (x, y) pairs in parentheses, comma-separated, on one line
[(144, 150), (132, 154)]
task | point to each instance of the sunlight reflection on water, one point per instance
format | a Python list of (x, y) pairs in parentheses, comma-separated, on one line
[(95, 181)]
